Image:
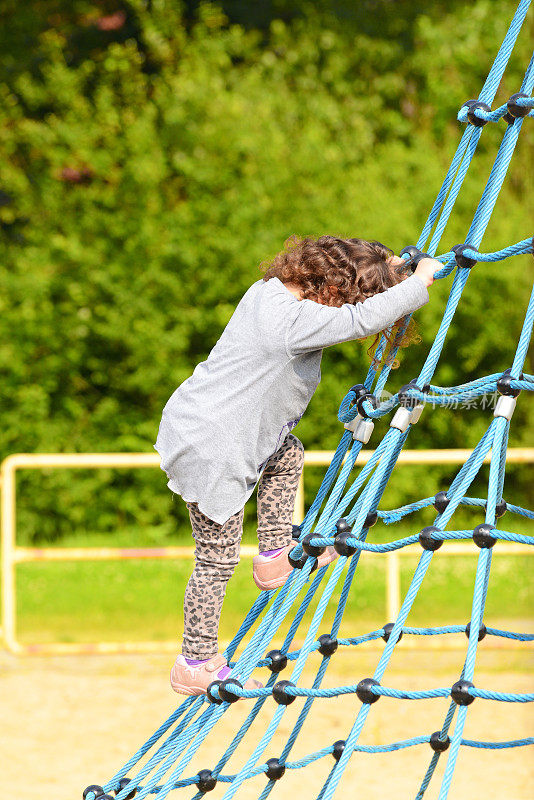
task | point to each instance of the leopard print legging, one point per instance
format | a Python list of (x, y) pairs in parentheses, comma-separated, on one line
[(217, 546)]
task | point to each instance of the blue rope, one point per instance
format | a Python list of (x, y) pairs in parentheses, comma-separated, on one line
[(355, 493)]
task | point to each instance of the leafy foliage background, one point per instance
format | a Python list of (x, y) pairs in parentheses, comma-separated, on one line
[(154, 153)]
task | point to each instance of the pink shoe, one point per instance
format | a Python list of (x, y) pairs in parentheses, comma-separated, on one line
[(271, 573), (192, 680)]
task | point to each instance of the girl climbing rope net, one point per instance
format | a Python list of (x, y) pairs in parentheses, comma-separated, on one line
[(228, 427)]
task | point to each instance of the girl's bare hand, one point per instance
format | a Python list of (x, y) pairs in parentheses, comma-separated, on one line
[(426, 269)]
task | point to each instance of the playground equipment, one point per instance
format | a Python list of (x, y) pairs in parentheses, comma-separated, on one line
[(342, 514)]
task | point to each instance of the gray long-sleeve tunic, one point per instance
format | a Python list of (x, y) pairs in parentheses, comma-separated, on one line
[(221, 425)]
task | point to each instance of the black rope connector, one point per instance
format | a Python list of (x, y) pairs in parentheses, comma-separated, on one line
[(427, 540), (441, 501), (410, 250), (298, 563), (206, 781), (482, 631), (337, 749), (414, 257), (407, 400), (462, 260), (275, 770), (312, 549), (95, 789), (504, 386), (296, 530), (344, 532), (225, 690), (280, 694), (123, 783), (364, 693), (278, 661), (514, 110), (388, 627), (438, 744), (472, 106), (482, 535), (359, 390), (500, 508), (211, 697), (367, 396), (342, 526), (468, 103), (460, 694), (371, 519), (327, 644)]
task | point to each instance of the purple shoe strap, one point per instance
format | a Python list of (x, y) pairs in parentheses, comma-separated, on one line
[(223, 673), (271, 553), (195, 662)]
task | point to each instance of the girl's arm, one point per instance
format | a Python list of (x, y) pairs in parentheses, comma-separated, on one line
[(316, 326)]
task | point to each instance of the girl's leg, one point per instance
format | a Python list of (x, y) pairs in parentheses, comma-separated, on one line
[(216, 555), (276, 494)]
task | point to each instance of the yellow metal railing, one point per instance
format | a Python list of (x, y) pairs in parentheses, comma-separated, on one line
[(13, 555)]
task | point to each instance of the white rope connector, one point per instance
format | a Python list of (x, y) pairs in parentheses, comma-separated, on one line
[(352, 425), (505, 407), (401, 419), (416, 413), (364, 430)]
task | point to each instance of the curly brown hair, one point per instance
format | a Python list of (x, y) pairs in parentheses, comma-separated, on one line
[(334, 271)]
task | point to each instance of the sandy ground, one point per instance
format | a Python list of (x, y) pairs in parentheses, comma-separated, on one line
[(71, 721)]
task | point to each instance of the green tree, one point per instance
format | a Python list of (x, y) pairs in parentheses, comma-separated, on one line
[(151, 167)]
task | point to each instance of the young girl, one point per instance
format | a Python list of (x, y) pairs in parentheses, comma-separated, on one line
[(228, 425)]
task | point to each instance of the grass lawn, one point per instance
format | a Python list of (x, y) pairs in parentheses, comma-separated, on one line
[(142, 600)]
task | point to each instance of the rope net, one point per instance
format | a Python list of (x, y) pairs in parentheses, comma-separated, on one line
[(345, 507)]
